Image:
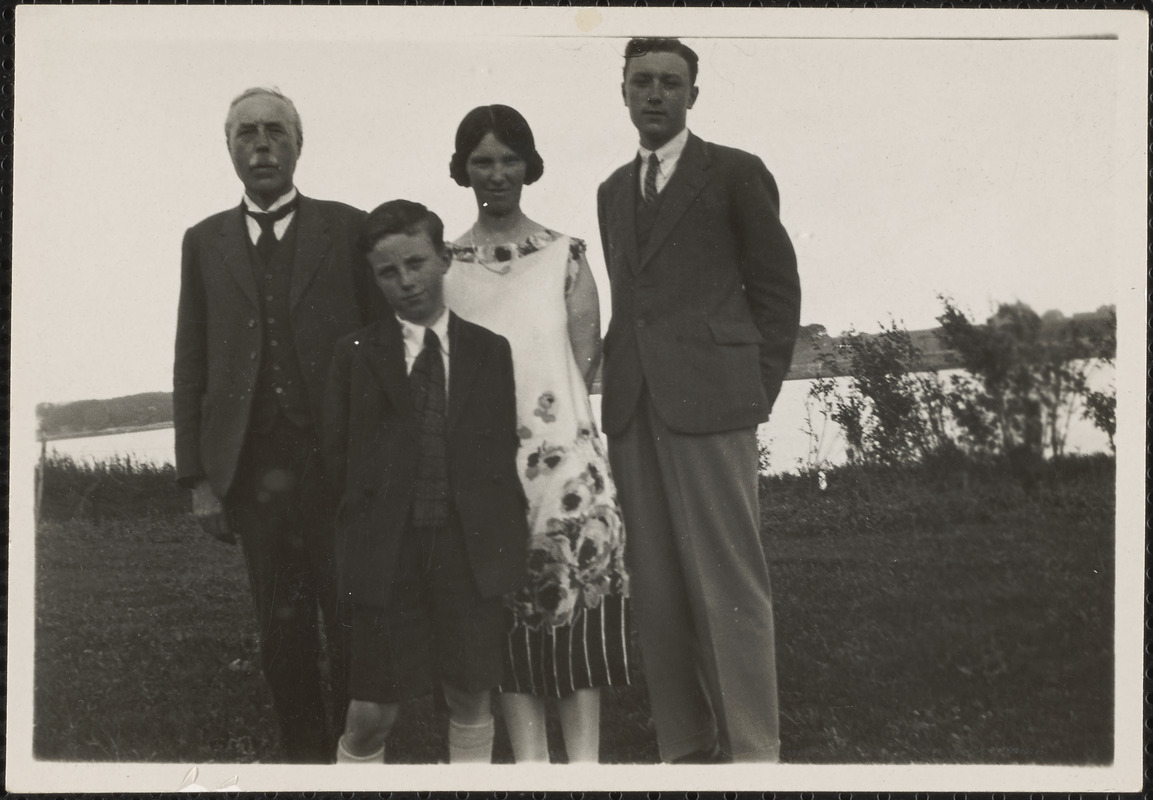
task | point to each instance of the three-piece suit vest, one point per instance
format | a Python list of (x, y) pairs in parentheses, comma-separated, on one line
[(279, 385)]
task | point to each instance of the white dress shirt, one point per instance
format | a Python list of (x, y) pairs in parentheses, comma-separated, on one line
[(278, 227), (668, 154), (414, 342)]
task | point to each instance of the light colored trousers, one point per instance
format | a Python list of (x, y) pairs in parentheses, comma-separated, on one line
[(700, 586)]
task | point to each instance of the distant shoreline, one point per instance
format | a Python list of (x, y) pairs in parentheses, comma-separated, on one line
[(816, 356), (154, 426)]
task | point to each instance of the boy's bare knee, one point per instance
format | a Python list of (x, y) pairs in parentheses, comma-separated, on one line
[(468, 708), (368, 725)]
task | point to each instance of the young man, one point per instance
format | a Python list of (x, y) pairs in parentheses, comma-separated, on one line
[(267, 287), (705, 300), (420, 435)]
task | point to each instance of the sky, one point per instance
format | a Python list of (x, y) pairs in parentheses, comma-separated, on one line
[(982, 170), (987, 156)]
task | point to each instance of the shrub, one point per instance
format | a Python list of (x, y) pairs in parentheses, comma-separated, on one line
[(1101, 406), (894, 410), (1023, 384), (111, 488), (1024, 378)]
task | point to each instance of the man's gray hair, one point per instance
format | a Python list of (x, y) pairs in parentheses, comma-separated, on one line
[(271, 91)]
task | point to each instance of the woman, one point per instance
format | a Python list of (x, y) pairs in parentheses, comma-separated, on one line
[(533, 286)]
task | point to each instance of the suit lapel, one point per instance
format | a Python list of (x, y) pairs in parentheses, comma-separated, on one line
[(312, 242), (382, 350), (233, 246), (678, 194), (465, 359), (624, 212)]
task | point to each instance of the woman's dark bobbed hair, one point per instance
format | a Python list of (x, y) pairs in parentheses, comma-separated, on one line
[(510, 129)]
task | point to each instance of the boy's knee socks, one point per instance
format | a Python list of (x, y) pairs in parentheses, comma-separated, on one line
[(470, 743), (343, 756), (466, 744)]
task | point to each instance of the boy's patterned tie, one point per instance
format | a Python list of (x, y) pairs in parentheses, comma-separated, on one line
[(430, 498)]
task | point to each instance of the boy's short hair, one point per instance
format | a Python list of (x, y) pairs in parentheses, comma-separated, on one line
[(400, 216), (643, 45)]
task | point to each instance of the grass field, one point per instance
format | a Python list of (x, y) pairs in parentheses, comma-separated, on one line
[(918, 621)]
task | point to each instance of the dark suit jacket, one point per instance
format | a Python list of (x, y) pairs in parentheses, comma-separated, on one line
[(706, 315), (219, 327), (371, 447)]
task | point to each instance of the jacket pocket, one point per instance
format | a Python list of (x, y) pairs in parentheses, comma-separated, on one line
[(726, 331)]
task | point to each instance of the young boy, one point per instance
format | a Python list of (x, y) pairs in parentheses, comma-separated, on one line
[(420, 437)]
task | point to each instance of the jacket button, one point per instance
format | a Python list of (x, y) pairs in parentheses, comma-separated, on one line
[(252, 323), (640, 323), (252, 356)]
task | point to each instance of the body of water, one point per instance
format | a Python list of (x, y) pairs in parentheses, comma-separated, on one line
[(790, 446), (157, 446)]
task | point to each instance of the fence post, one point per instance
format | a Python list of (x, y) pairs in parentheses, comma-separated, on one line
[(40, 478)]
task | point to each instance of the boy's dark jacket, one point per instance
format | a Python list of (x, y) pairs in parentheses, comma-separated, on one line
[(370, 450)]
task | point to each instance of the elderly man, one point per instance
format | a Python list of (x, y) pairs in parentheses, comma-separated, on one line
[(705, 300), (267, 287)]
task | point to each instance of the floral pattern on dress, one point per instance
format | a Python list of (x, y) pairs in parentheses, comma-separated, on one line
[(504, 253), (578, 559), (544, 405), (545, 459)]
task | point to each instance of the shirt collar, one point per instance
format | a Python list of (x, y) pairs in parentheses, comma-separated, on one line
[(670, 151), (414, 334), (283, 200)]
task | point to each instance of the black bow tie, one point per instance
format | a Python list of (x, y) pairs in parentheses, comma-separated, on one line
[(269, 217), (266, 243)]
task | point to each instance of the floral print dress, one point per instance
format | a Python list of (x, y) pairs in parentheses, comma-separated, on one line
[(567, 627)]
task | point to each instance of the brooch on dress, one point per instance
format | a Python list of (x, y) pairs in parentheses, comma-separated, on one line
[(500, 252)]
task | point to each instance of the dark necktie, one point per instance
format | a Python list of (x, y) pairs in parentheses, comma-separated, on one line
[(427, 384), (266, 244), (651, 178)]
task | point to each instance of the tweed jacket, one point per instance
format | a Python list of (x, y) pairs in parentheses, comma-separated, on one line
[(705, 315)]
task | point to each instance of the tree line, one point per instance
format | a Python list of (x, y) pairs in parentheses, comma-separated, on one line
[(1021, 379), (92, 416)]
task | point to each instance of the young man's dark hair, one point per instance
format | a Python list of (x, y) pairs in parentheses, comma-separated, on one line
[(641, 46)]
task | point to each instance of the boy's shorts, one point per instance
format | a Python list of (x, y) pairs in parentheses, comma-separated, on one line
[(436, 626)]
